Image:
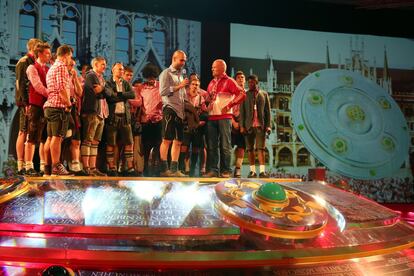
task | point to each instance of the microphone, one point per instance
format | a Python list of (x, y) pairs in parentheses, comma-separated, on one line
[(184, 73)]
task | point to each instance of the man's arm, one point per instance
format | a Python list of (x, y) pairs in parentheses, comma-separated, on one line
[(137, 101), (22, 81), (128, 94), (110, 92), (34, 79), (77, 83), (62, 78), (238, 92), (167, 86), (242, 117), (267, 113)]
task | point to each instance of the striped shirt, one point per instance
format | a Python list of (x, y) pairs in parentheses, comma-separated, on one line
[(169, 78), (223, 92), (57, 80), (34, 79)]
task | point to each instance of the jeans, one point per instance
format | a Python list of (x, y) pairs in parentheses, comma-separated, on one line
[(219, 145)]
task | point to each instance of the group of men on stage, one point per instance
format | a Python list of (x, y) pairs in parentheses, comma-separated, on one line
[(166, 127)]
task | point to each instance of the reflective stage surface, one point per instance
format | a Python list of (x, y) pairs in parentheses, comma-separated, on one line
[(92, 225)]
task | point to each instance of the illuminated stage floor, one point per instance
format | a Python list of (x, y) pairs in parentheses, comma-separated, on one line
[(114, 225)]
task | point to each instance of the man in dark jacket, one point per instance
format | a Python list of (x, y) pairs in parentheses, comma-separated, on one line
[(22, 99), (255, 123), (93, 112), (119, 120)]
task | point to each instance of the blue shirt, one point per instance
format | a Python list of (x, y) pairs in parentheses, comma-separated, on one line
[(169, 78)]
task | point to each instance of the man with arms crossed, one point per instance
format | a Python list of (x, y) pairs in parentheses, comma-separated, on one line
[(93, 112), (119, 120)]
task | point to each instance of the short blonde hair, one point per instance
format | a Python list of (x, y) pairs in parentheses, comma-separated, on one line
[(32, 43)]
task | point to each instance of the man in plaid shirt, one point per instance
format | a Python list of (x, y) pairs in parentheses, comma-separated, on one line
[(57, 106)]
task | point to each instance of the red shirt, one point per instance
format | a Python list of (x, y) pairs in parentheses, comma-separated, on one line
[(152, 102), (137, 102), (223, 91), (36, 73), (57, 80)]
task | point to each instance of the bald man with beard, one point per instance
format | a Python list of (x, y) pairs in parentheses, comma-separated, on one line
[(173, 94)]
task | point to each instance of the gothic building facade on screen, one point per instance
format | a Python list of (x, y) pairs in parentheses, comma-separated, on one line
[(130, 37)]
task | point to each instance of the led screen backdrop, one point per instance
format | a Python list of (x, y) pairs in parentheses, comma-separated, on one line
[(283, 57)]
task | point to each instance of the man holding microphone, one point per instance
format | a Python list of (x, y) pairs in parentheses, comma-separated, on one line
[(173, 93)]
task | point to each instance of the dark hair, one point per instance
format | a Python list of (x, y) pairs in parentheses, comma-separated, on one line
[(53, 57), (40, 47), (194, 74), (253, 77), (137, 81), (128, 69), (88, 67), (150, 71), (64, 50), (31, 43)]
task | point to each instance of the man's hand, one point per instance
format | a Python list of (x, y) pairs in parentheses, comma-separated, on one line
[(145, 119), (159, 105), (184, 83), (74, 73), (235, 124), (268, 130), (225, 109), (67, 102), (98, 88), (242, 130)]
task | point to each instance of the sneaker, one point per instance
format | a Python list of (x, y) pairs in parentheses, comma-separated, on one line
[(112, 172), (96, 172), (166, 173), (59, 169), (252, 175), (178, 174), (31, 173), (131, 173), (263, 175), (237, 173), (210, 174), (80, 173), (48, 170), (21, 172), (225, 174)]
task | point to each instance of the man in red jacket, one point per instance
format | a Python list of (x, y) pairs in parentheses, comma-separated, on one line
[(224, 93)]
